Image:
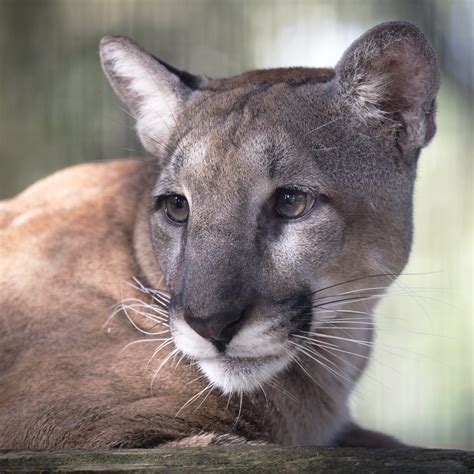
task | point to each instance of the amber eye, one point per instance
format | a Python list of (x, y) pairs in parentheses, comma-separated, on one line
[(176, 208), (293, 203)]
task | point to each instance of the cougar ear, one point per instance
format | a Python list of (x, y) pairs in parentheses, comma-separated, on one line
[(152, 90), (390, 75)]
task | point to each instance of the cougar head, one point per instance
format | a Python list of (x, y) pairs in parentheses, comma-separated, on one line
[(274, 186)]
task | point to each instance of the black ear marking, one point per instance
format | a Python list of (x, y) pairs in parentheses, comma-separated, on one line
[(189, 80)]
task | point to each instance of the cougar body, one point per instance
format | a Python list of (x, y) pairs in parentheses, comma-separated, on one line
[(183, 300)]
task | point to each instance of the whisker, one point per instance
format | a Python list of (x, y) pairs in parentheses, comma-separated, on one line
[(160, 317), (158, 294), (375, 275), (309, 354), (367, 322), (361, 371), (370, 345), (240, 410), (342, 327), (273, 384), (322, 126), (296, 360), (205, 398), (146, 315), (196, 379), (370, 316), (192, 399), (402, 285), (318, 354), (378, 288), (333, 347), (132, 322), (262, 389), (158, 350), (179, 360), (357, 299), (368, 326), (140, 341), (228, 402), (161, 310), (167, 358)]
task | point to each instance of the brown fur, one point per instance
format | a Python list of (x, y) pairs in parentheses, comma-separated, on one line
[(72, 242), (292, 75), (66, 260)]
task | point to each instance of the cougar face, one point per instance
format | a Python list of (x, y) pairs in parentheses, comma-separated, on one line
[(276, 190), (242, 275)]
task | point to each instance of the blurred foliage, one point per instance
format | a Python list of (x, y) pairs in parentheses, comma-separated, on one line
[(57, 109)]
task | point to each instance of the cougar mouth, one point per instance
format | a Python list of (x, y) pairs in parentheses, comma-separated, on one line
[(251, 359), (256, 354)]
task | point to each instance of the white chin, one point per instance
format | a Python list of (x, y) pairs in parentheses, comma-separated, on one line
[(232, 375)]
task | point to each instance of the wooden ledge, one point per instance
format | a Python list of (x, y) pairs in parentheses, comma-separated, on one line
[(242, 459)]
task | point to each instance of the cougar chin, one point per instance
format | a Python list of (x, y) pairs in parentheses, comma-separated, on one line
[(234, 375)]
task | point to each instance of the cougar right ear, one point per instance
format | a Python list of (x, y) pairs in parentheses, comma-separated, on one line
[(152, 90), (391, 74)]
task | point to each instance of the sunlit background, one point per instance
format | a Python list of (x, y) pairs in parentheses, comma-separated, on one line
[(56, 109)]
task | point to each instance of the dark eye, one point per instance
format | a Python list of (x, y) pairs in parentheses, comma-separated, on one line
[(293, 203), (176, 208)]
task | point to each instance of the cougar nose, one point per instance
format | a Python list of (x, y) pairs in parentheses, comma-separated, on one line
[(219, 328)]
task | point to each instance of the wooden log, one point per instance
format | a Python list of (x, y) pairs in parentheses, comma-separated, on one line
[(266, 459)]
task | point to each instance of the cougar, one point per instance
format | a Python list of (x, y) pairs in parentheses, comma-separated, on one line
[(222, 291)]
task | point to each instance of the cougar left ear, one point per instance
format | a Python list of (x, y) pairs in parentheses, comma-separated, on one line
[(391, 74), (152, 90)]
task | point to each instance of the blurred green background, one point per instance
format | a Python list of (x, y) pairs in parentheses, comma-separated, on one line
[(57, 109)]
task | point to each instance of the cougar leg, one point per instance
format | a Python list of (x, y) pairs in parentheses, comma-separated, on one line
[(211, 439), (354, 436)]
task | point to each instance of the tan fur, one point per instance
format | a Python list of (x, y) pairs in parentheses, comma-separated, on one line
[(66, 259), (76, 370)]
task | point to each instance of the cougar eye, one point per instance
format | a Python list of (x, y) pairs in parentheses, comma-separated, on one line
[(176, 208), (293, 203)]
